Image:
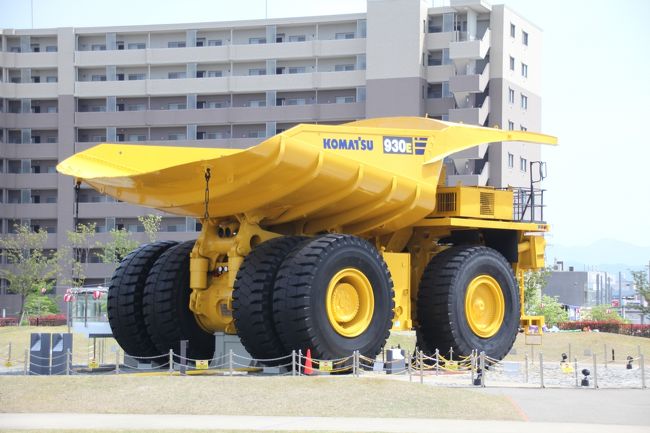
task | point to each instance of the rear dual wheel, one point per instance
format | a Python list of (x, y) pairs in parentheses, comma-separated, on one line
[(332, 294)]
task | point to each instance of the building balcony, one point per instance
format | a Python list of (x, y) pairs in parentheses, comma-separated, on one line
[(28, 180), (237, 83), (29, 120), (480, 179), (439, 41), (471, 115), (30, 151), (224, 53), (474, 83), (28, 60), (440, 73), (29, 90), (29, 210), (470, 50), (287, 113)]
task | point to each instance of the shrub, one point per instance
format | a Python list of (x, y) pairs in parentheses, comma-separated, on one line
[(608, 326), (49, 320), (8, 321)]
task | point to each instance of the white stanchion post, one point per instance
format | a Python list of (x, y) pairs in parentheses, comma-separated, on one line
[(575, 369), (230, 369), (451, 354), (525, 368), (299, 362), (67, 362), (421, 367), (595, 373), (482, 366), (408, 363), (26, 361), (569, 350), (605, 353), (472, 366), (437, 355), (9, 353), (642, 369), (293, 362), (117, 361), (171, 361), (541, 370)]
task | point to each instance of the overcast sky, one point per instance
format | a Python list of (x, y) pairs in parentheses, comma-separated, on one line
[(596, 92)]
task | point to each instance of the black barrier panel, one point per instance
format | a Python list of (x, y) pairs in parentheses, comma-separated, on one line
[(61, 343), (395, 362), (39, 354)]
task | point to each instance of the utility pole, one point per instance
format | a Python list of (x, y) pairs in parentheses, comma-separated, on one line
[(620, 293)]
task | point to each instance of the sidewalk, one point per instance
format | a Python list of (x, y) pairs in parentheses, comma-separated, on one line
[(109, 422)]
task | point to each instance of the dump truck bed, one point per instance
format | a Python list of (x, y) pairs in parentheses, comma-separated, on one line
[(367, 177)]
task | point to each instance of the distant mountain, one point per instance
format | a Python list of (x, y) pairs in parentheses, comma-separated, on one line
[(606, 255)]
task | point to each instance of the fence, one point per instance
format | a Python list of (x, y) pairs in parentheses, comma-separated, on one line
[(477, 369)]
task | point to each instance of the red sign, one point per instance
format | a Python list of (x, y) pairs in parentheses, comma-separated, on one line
[(615, 303), (97, 294)]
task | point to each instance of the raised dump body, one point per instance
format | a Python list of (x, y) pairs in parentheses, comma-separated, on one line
[(360, 197)]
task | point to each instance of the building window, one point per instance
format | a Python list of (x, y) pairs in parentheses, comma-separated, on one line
[(511, 160), (523, 164), (257, 71), (340, 68), (50, 79), (346, 35), (524, 102), (98, 47), (256, 40), (98, 77), (523, 128), (511, 96), (136, 46), (524, 70), (512, 63), (297, 38), (513, 29), (213, 74), (215, 42), (176, 75), (511, 125), (139, 76), (176, 44), (524, 38), (51, 49)]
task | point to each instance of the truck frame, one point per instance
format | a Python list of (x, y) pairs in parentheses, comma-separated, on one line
[(323, 237)]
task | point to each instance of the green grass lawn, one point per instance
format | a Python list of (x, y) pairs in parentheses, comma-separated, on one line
[(343, 396)]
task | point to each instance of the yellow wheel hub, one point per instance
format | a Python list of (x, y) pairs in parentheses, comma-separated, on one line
[(349, 302), (484, 306)]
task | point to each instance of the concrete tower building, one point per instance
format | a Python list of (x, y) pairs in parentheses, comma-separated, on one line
[(231, 84)]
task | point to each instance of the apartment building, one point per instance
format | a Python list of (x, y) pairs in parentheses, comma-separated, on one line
[(231, 84)]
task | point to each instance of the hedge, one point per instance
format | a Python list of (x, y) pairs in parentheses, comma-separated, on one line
[(49, 320), (609, 326), (8, 321)]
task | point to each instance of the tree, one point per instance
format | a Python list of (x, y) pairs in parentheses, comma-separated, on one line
[(118, 247), (604, 313), (74, 256), (642, 288), (30, 269), (151, 225), (534, 283), (37, 304), (551, 309)]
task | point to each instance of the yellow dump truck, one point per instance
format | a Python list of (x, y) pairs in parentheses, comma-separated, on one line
[(321, 237)]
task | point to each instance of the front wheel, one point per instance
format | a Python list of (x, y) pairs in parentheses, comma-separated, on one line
[(468, 299)]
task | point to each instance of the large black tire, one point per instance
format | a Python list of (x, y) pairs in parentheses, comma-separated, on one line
[(124, 305), (166, 305), (441, 311), (252, 299), (299, 299)]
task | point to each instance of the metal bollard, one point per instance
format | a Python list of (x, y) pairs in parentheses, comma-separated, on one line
[(293, 362), (569, 351), (299, 362), (408, 364), (117, 361), (68, 361), (472, 367), (541, 369), (575, 369), (642, 369), (26, 361), (451, 353), (605, 354), (171, 361), (525, 368), (357, 357), (595, 373), (9, 354), (230, 369), (421, 366), (437, 361), (482, 367)]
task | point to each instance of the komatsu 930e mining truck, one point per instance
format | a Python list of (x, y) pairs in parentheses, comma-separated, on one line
[(321, 237)]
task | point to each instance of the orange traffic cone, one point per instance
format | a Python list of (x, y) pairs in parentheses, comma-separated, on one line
[(308, 368)]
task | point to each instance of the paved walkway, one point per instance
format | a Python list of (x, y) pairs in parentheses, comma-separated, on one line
[(57, 421)]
